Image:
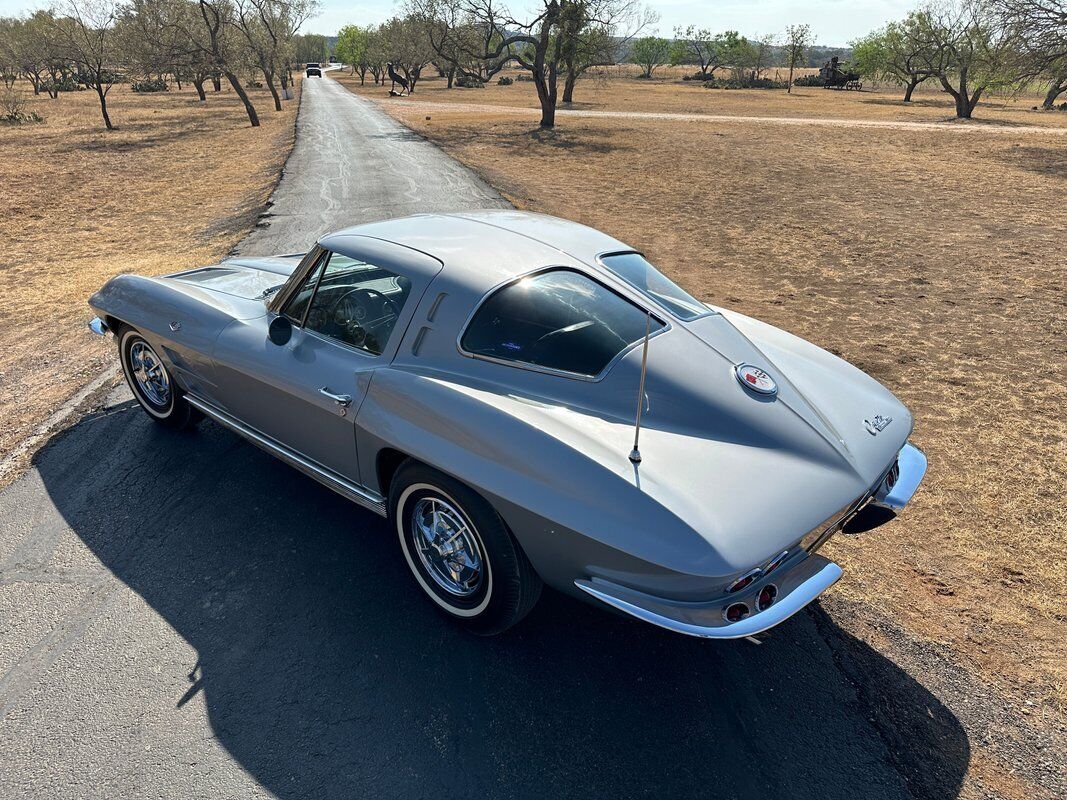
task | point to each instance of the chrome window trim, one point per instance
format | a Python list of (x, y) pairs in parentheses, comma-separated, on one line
[(302, 323), (281, 298), (599, 258), (559, 373)]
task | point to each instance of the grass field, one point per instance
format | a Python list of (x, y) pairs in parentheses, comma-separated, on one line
[(672, 96), (176, 185), (933, 260)]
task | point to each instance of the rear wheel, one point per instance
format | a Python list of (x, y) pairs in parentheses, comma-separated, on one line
[(461, 553), (151, 382)]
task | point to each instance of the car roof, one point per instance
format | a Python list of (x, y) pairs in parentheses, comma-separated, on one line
[(482, 249)]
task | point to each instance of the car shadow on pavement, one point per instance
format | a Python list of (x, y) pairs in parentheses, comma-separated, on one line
[(326, 674)]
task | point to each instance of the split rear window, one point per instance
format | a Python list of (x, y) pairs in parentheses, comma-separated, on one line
[(558, 320)]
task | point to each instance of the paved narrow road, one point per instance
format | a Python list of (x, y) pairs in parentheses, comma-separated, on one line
[(183, 616), (350, 164)]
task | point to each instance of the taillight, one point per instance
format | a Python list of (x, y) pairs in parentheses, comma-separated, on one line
[(744, 580), (776, 562)]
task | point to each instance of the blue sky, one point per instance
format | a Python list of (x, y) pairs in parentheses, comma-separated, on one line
[(834, 22)]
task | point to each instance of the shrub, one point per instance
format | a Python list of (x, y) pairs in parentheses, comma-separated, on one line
[(469, 82), (748, 83), (809, 80), (524, 78), (699, 76), (68, 84), (150, 85), (12, 103), (505, 81)]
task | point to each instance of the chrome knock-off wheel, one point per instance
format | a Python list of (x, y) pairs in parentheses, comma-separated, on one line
[(152, 385), (148, 371), (461, 553), (446, 546)]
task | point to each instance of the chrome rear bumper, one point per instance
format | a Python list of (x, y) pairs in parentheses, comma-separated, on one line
[(802, 585), (911, 467), (798, 587)]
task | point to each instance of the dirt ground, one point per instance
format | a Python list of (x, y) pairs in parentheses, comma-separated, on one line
[(175, 185), (674, 96), (933, 261)]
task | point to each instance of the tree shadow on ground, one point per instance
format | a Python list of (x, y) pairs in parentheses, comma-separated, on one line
[(536, 140), (1050, 161), (326, 674)]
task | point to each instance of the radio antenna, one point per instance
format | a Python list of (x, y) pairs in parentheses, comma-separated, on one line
[(635, 454)]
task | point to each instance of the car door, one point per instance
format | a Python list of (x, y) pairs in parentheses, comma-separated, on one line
[(346, 315)]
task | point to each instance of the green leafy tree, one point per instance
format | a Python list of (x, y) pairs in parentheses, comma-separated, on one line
[(797, 41), (352, 49), (650, 52), (901, 51)]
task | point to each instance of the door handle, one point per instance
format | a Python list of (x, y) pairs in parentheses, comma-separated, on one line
[(343, 400)]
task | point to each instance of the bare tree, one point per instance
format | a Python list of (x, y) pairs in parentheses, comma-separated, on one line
[(1042, 26), (699, 46), (85, 33), (797, 41), (973, 50), (268, 26), (460, 39), (217, 17), (407, 46), (598, 37)]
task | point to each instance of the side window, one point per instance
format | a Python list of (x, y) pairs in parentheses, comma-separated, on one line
[(635, 270), (355, 303), (297, 306), (559, 319)]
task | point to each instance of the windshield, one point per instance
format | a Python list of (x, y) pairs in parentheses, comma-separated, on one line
[(636, 271)]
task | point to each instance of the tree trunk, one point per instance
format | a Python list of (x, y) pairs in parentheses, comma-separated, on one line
[(911, 88), (199, 84), (789, 89), (253, 117), (1054, 91), (269, 78), (216, 82), (451, 75), (568, 85), (103, 106), (36, 81)]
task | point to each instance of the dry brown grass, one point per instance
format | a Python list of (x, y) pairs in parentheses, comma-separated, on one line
[(176, 185), (673, 96), (931, 260)]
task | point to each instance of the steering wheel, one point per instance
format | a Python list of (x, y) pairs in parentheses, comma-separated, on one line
[(354, 317)]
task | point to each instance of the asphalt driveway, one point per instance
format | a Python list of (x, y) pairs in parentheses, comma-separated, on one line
[(183, 616)]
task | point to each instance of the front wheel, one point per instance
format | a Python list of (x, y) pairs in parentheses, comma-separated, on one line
[(461, 553), (151, 382)]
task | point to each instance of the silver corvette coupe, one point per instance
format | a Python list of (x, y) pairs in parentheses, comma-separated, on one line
[(529, 400)]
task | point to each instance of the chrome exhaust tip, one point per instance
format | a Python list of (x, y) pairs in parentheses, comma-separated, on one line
[(735, 612), (98, 326), (766, 597)]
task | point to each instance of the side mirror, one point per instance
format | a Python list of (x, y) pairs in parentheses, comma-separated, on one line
[(280, 330)]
